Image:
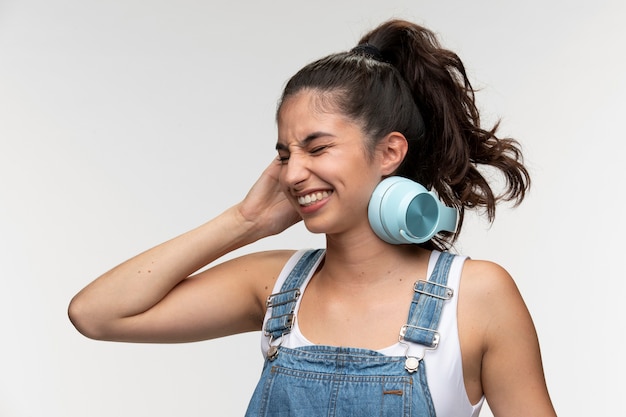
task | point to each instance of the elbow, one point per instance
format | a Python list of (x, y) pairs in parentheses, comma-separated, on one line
[(84, 319)]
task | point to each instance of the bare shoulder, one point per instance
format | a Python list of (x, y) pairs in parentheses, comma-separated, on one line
[(489, 298), (256, 271), (486, 281)]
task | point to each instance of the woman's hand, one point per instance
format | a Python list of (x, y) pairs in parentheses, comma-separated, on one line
[(266, 205)]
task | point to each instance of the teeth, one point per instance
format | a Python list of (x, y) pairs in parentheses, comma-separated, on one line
[(307, 200)]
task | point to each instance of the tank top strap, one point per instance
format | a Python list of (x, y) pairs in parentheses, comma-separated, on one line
[(429, 297), (283, 303)]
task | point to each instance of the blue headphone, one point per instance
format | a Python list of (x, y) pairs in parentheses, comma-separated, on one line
[(403, 211)]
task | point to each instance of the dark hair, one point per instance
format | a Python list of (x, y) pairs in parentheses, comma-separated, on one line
[(401, 79)]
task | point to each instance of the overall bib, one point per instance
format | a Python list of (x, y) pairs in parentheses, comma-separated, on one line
[(313, 381)]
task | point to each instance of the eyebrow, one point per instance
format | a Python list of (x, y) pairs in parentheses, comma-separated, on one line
[(308, 139)]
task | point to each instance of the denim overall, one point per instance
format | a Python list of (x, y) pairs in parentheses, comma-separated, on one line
[(313, 381)]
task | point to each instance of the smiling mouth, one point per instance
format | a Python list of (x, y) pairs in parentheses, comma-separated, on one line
[(307, 200)]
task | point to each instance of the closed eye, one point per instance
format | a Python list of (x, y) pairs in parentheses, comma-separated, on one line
[(318, 149)]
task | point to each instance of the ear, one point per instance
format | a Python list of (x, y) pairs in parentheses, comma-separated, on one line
[(392, 150)]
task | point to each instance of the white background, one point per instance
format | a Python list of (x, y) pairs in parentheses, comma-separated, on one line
[(125, 123)]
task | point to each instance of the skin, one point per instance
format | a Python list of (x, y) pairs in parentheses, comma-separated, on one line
[(363, 283)]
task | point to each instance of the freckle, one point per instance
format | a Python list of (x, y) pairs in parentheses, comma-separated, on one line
[(139, 272), (149, 271), (266, 287)]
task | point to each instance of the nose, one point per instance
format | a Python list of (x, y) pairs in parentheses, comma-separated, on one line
[(295, 172)]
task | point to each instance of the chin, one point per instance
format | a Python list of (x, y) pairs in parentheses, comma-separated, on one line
[(317, 226), (316, 229)]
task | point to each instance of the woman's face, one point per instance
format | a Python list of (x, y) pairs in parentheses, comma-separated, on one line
[(327, 172)]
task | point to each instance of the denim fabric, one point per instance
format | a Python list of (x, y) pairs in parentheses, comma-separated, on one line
[(284, 302), (313, 381), (428, 300), (316, 381)]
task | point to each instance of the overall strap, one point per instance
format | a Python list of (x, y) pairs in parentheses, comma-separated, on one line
[(428, 299), (283, 303)]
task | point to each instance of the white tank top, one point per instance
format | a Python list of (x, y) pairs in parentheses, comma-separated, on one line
[(444, 369)]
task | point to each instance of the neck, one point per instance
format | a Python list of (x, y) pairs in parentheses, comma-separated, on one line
[(365, 259)]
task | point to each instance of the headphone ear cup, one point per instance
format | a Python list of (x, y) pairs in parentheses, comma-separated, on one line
[(403, 211)]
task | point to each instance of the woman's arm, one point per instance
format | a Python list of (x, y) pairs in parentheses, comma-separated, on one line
[(509, 364), (152, 298)]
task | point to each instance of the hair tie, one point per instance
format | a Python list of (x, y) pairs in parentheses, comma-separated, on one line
[(369, 50)]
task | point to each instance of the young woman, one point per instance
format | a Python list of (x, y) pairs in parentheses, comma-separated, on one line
[(369, 325)]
